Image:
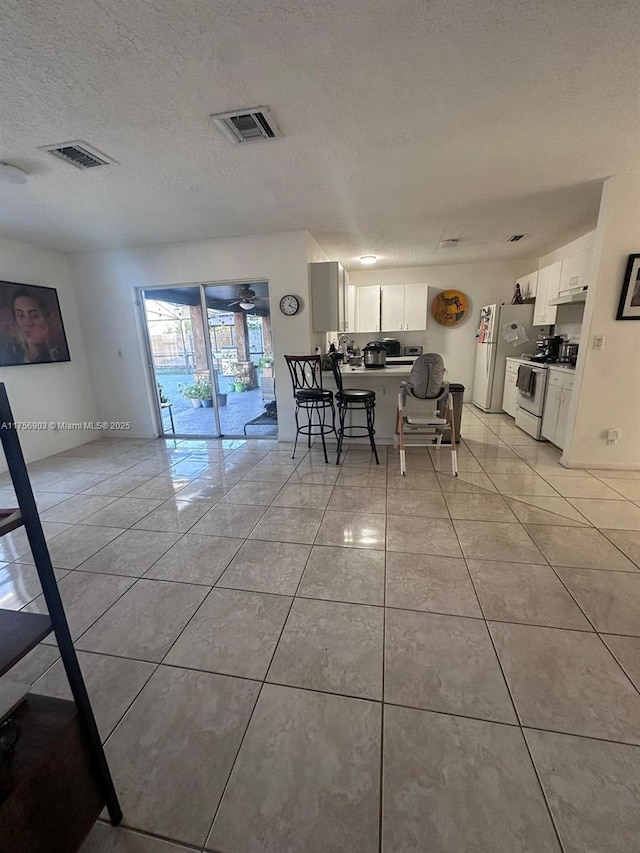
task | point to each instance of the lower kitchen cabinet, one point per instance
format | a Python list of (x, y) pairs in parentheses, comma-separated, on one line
[(556, 406)]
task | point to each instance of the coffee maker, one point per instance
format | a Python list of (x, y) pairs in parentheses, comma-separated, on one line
[(548, 349)]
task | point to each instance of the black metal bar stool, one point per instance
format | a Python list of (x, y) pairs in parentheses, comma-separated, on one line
[(354, 399), (311, 397)]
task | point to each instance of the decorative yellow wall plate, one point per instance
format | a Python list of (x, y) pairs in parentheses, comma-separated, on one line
[(449, 307)]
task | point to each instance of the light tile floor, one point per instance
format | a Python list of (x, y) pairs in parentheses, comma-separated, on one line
[(289, 656)]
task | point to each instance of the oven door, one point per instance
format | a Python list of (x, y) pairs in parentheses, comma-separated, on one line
[(535, 404)]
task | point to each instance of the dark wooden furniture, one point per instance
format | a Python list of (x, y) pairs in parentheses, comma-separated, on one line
[(56, 781), (49, 795)]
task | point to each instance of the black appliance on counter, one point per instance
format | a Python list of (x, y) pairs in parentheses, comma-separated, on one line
[(568, 353), (392, 346), (374, 354), (548, 349)]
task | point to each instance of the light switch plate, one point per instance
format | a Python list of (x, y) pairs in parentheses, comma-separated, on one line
[(598, 342)]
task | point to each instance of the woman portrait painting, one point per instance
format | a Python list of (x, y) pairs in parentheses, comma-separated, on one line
[(31, 329)]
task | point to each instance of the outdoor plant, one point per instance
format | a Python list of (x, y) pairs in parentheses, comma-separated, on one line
[(204, 391), (163, 397), (265, 361), (189, 392)]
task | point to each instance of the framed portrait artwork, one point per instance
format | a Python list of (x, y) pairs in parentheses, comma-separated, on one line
[(629, 307), (31, 327)]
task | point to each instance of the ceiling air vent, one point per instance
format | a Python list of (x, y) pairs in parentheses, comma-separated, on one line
[(514, 238), (451, 243), (251, 125), (79, 154)]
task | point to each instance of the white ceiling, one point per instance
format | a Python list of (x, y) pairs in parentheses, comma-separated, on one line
[(403, 122)]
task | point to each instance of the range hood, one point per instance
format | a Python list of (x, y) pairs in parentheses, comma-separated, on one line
[(573, 294)]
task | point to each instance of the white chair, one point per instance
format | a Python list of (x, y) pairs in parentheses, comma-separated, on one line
[(418, 417)]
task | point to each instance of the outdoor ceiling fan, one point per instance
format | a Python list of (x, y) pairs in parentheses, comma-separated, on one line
[(247, 299)]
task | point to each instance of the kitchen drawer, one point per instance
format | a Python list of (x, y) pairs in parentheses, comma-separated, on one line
[(555, 378), (528, 423)]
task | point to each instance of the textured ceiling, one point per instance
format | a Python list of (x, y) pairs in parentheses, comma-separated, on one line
[(403, 122)]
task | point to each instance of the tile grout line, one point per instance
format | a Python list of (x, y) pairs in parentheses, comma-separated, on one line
[(518, 717), (263, 681)]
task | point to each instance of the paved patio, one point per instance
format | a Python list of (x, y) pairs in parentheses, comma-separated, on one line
[(241, 407)]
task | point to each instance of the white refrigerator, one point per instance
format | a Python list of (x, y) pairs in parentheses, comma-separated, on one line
[(503, 330)]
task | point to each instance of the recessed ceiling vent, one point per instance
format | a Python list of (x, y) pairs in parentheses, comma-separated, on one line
[(79, 154), (251, 125), (514, 238), (449, 244)]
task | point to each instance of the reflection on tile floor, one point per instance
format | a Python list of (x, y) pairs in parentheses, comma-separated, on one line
[(243, 619)]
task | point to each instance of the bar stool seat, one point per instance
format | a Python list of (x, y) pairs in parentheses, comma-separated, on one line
[(313, 394), (354, 399)]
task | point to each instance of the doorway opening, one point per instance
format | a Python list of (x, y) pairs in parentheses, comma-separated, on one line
[(212, 359)]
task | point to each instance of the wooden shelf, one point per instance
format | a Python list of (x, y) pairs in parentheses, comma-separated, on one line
[(49, 796), (20, 633), (10, 519)]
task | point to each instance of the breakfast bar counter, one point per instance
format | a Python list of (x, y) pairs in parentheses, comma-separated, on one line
[(385, 381)]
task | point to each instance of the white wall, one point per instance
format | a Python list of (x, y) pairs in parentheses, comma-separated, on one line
[(607, 388), (483, 284), (105, 285), (48, 392)]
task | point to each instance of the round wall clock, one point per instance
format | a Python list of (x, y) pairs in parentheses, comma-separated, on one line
[(289, 305), (449, 307)]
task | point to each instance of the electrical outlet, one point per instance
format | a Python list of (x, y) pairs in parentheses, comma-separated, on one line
[(598, 342), (612, 436)]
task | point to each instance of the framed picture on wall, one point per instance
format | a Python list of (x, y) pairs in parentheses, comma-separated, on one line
[(629, 307), (31, 327)]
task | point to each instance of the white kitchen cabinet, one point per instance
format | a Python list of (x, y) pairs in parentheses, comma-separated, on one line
[(510, 394), (368, 309), (528, 285), (548, 286), (329, 285), (351, 308), (392, 307), (403, 307), (576, 270), (556, 406), (415, 307)]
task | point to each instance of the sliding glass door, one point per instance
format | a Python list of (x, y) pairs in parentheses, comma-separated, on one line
[(211, 356), (180, 361)]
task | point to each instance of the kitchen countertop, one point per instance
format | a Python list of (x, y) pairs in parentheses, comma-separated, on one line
[(543, 364), (388, 370)]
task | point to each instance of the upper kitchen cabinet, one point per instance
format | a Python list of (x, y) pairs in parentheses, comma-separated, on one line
[(528, 285), (575, 271), (548, 286), (367, 309), (403, 307), (329, 297)]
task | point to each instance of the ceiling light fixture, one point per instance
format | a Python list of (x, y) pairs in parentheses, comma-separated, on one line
[(247, 305), (12, 174), (368, 259)]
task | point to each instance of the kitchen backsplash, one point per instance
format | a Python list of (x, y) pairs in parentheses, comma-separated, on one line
[(569, 320)]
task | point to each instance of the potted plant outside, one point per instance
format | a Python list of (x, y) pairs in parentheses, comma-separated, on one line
[(239, 378), (190, 392), (205, 394), (265, 364)]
